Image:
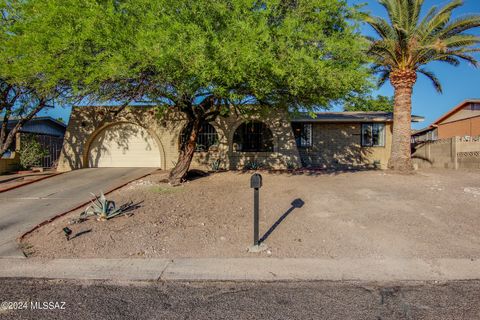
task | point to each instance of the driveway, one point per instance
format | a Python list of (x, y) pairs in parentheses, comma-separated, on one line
[(23, 208)]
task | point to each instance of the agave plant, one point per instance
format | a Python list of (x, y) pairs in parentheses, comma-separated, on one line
[(104, 209), (253, 165), (216, 165)]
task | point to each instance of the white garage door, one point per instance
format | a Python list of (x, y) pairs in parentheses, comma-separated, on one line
[(124, 145)]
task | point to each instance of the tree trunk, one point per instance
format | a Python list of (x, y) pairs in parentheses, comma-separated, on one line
[(400, 158), (187, 149)]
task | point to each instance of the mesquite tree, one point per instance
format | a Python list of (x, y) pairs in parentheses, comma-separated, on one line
[(45, 57), (206, 58), (407, 41)]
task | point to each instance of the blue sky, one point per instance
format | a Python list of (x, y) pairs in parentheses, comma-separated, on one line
[(459, 83)]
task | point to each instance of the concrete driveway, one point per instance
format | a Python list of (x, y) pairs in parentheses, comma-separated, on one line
[(23, 208)]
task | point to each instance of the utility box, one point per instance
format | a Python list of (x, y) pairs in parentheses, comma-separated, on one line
[(256, 181)]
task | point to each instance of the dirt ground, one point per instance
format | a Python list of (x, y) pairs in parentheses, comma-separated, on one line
[(431, 214)]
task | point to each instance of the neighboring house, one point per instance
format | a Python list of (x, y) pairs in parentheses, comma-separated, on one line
[(452, 141), (461, 121), (48, 131), (429, 133), (137, 137)]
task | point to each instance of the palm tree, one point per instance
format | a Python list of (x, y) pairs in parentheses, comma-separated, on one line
[(406, 42)]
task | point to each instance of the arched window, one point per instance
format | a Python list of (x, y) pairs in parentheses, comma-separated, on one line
[(207, 137), (253, 137)]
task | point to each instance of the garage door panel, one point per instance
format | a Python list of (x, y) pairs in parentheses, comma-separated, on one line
[(124, 145)]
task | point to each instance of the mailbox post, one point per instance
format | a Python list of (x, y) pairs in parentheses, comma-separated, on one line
[(256, 184)]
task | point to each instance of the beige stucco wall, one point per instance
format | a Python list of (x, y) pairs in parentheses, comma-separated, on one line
[(13, 162), (451, 153), (86, 122), (10, 164), (338, 145), (335, 145)]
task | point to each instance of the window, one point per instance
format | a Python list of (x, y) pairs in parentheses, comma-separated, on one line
[(373, 135), (253, 137), (303, 134), (207, 137), (474, 106)]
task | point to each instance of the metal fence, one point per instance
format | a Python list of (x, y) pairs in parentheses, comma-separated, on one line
[(53, 145)]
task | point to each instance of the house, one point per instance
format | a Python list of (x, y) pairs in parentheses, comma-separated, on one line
[(461, 121), (138, 137), (48, 131), (425, 134)]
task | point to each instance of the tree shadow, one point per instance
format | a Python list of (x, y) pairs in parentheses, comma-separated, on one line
[(297, 203)]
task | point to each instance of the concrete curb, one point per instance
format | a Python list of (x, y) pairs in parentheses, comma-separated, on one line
[(243, 269), (29, 182)]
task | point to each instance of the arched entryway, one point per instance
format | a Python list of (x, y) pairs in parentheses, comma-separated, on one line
[(124, 145)]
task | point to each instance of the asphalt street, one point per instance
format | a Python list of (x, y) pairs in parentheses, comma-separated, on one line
[(27, 206), (54, 299)]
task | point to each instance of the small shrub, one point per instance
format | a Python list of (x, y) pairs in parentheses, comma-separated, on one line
[(31, 152), (253, 165)]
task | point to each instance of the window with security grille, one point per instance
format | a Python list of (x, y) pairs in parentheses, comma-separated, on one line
[(303, 134), (206, 138), (253, 137)]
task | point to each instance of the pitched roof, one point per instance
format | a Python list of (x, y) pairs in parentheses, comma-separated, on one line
[(36, 119), (455, 109)]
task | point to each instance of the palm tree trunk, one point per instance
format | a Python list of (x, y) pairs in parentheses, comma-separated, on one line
[(400, 158)]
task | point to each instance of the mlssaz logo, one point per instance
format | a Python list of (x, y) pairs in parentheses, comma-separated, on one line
[(47, 305)]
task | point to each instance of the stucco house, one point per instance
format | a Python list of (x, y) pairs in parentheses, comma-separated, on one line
[(138, 137), (461, 121)]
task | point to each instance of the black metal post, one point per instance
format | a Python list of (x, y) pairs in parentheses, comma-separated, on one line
[(256, 209)]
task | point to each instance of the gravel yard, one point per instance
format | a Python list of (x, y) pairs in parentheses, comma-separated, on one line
[(431, 214)]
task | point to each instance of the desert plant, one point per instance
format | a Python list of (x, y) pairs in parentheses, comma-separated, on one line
[(253, 165), (31, 151), (104, 209), (216, 165), (291, 165)]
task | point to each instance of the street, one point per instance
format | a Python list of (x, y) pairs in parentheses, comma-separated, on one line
[(55, 299)]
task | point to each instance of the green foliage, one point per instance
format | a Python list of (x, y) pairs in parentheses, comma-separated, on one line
[(195, 57), (407, 40), (367, 102), (216, 165), (254, 165), (104, 209), (44, 54), (31, 151), (291, 165), (179, 53)]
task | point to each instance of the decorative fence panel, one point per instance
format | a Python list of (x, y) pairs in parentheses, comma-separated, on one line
[(453, 153)]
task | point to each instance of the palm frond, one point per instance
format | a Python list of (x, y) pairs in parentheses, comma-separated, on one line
[(433, 78), (384, 76), (407, 41)]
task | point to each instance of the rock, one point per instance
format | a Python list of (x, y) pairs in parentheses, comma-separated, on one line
[(474, 191)]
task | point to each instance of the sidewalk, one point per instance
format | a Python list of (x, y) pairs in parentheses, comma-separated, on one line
[(242, 269)]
